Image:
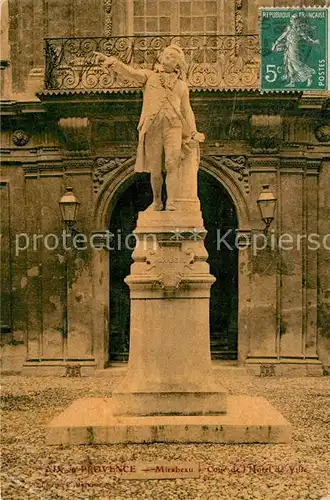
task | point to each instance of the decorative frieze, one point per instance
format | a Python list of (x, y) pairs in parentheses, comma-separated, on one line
[(51, 169), (236, 131), (263, 164), (266, 133), (308, 166)]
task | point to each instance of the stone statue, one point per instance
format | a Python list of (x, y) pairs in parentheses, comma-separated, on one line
[(167, 122)]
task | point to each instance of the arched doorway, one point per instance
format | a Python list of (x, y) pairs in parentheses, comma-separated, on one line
[(219, 217)]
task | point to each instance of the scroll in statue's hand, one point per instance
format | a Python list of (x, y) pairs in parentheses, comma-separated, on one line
[(198, 136)]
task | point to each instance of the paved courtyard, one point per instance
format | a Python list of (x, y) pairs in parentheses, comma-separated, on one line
[(31, 470)]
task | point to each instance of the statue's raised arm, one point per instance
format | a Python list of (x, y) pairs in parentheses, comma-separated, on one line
[(110, 62)]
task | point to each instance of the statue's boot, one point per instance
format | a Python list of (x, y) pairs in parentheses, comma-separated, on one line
[(170, 205), (155, 206)]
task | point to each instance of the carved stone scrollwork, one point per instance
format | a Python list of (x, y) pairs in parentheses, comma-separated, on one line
[(236, 163), (322, 133), (266, 133), (215, 61), (76, 133), (102, 167)]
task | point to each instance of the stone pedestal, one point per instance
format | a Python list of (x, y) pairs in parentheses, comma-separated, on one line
[(169, 370), (169, 392)]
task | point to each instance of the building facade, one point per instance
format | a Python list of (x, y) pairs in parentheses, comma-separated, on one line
[(67, 122)]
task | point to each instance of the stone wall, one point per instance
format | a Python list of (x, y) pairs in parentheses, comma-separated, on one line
[(324, 266), (33, 20), (57, 302)]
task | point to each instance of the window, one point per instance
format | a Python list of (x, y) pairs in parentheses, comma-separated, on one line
[(175, 16), (198, 16), (152, 16)]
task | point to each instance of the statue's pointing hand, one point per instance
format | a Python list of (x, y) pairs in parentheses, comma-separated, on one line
[(104, 60)]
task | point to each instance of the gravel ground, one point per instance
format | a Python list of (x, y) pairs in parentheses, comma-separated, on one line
[(300, 470)]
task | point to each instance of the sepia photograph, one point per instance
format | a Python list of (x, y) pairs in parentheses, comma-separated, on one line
[(165, 249)]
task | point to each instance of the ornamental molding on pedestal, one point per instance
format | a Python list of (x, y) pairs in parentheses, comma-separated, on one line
[(237, 164), (266, 133), (104, 166)]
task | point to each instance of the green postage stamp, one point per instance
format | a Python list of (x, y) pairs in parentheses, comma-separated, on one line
[(294, 49)]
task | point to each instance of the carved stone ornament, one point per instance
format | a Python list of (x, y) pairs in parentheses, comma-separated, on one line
[(243, 238), (237, 164), (239, 26), (238, 23), (20, 138), (235, 131), (266, 133), (103, 166), (76, 132), (322, 133), (73, 370), (108, 4), (267, 370), (169, 267)]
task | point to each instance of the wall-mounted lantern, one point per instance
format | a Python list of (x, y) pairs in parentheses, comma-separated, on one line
[(267, 203), (69, 206)]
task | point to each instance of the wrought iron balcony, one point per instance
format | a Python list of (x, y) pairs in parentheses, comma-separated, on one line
[(215, 62)]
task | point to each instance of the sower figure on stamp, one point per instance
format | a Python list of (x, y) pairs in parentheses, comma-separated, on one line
[(167, 122)]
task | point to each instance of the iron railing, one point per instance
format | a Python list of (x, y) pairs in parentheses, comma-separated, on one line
[(215, 62)]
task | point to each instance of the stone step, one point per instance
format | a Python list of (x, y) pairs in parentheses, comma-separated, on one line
[(221, 367), (91, 421)]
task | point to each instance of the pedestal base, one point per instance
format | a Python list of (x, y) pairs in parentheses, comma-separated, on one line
[(91, 421), (169, 403)]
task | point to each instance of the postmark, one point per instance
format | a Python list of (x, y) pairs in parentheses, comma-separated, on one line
[(294, 49)]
